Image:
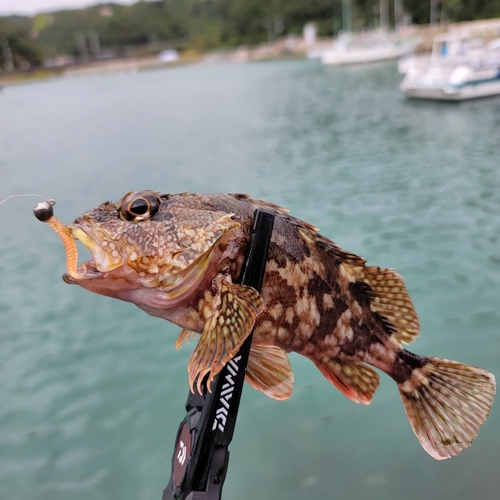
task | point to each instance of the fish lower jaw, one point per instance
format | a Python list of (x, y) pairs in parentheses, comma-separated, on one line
[(87, 270)]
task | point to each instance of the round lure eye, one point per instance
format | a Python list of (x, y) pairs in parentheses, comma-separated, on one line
[(139, 206)]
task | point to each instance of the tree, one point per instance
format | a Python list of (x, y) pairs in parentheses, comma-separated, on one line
[(17, 48)]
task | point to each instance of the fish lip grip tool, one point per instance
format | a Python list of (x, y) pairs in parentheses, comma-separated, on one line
[(201, 455)]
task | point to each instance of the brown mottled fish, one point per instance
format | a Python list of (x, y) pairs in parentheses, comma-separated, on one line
[(178, 257)]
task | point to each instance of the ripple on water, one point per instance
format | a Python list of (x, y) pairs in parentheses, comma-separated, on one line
[(92, 390)]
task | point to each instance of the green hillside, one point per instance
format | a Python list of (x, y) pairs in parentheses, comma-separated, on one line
[(113, 30)]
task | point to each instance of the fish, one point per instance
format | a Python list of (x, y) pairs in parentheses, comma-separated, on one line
[(179, 256)]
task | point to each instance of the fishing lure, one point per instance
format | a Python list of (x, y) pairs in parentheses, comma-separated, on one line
[(44, 212)]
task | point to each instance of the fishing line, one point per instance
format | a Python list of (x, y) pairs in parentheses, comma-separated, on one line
[(49, 201)]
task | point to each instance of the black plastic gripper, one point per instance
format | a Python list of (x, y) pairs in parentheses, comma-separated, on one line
[(201, 455)]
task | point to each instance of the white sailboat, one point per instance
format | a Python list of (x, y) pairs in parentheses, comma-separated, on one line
[(368, 47)]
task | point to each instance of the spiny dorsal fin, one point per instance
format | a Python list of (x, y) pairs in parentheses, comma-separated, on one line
[(352, 378), (269, 371), (260, 203)]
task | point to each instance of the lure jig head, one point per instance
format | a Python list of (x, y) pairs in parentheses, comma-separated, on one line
[(44, 210)]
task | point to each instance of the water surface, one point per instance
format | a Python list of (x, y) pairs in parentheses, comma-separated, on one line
[(92, 390)]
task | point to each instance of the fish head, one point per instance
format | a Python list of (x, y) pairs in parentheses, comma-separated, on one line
[(145, 240)]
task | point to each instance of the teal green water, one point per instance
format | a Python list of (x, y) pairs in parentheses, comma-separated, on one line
[(92, 389)]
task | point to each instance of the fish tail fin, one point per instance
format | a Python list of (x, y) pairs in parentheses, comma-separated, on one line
[(446, 403)]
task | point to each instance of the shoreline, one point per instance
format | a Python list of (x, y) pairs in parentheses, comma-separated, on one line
[(291, 46)]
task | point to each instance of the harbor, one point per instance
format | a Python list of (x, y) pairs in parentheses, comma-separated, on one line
[(469, 66), (92, 389)]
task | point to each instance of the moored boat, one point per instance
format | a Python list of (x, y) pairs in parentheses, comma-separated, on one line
[(366, 48), (459, 68)]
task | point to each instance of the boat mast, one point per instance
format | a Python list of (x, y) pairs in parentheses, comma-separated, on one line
[(384, 16), (398, 14), (347, 15), (434, 12)]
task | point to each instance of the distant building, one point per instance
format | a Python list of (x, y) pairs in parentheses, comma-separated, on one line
[(106, 11), (310, 32)]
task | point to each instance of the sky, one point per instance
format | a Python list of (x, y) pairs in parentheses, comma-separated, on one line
[(30, 7)]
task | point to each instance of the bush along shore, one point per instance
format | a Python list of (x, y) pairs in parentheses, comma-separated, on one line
[(113, 37)]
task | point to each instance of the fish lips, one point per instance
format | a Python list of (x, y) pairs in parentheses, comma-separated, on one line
[(106, 253), (90, 273)]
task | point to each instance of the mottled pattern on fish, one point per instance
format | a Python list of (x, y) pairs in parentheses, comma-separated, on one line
[(178, 257)]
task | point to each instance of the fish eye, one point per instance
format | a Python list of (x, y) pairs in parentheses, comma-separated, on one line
[(139, 206)]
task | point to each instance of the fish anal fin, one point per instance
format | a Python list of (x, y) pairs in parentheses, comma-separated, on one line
[(269, 371), (353, 379), (446, 403), (184, 336), (235, 308)]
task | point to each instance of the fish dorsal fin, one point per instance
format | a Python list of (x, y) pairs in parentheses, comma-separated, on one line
[(234, 309), (352, 378), (390, 299), (269, 371), (260, 203), (388, 294)]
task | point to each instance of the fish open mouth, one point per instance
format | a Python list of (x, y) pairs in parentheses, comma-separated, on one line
[(105, 254)]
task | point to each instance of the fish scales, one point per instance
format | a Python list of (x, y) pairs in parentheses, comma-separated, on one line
[(178, 257), (305, 295)]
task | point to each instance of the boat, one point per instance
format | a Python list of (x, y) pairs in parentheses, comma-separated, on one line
[(367, 48), (460, 67)]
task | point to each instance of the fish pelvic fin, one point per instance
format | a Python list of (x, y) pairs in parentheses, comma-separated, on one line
[(446, 403), (352, 378), (234, 310), (184, 336), (269, 371)]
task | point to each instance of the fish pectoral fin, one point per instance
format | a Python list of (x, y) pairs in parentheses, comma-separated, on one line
[(269, 371), (352, 378), (225, 331), (184, 336)]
